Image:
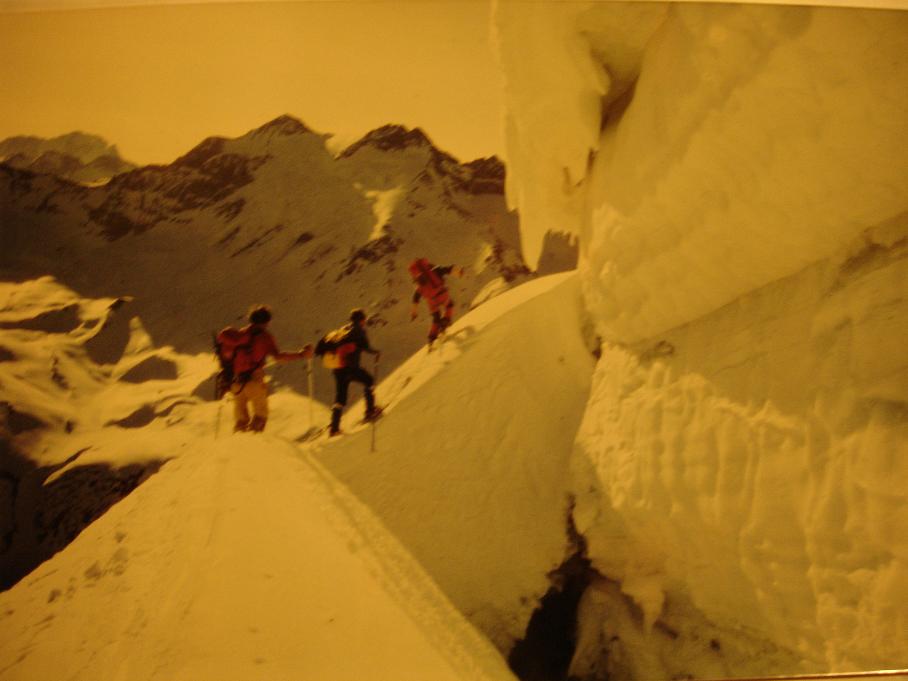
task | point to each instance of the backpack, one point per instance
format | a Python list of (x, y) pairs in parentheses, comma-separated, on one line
[(233, 348), (334, 347)]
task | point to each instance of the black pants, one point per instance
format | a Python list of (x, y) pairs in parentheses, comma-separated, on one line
[(342, 379)]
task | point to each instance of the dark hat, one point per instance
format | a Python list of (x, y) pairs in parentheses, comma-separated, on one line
[(260, 314), (357, 315)]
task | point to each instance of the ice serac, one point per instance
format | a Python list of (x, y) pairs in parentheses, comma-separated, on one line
[(743, 219), (556, 92)]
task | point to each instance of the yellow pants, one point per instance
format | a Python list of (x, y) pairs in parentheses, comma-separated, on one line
[(253, 393)]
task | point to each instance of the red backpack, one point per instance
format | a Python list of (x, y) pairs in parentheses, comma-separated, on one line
[(234, 349)]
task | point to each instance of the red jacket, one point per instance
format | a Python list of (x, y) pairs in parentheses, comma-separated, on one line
[(430, 283)]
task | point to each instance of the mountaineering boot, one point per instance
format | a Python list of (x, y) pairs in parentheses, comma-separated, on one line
[(435, 343), (370, 400), (373, 414), (334, 428), (258, 424)]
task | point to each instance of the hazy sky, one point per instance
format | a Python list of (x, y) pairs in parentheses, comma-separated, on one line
[(157, 80)]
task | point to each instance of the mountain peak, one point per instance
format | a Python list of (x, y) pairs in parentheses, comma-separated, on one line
[(282, 125), (490, 167), (390, 138), (203, 151)]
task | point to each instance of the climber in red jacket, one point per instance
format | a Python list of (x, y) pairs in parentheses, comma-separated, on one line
[(430, 284)]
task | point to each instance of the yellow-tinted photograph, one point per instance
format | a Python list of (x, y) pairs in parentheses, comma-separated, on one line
[(426, 340)]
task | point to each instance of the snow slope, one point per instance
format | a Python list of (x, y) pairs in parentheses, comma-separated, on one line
[(239, 560), (736, 177), (273, 556), (472, 468)]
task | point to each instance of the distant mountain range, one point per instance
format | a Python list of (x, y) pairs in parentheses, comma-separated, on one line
[(76, 156), (270, 217)]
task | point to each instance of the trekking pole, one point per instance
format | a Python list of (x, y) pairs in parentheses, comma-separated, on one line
[(217, 421), (375, 381), (217, 390), (311, 381)]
